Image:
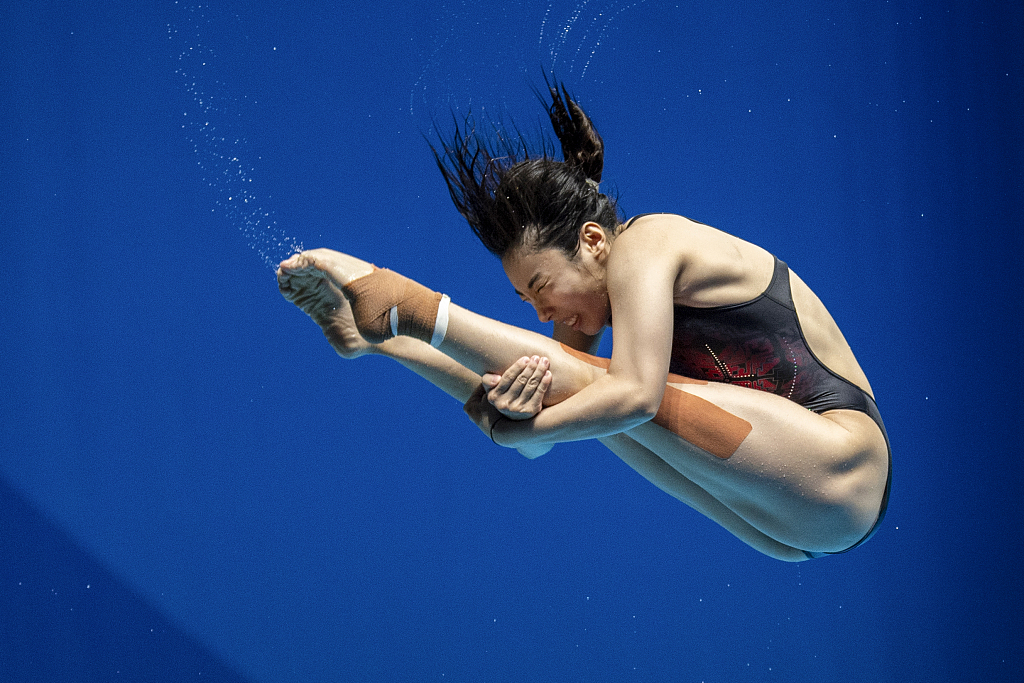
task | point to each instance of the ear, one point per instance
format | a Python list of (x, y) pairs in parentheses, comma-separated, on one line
[(594, 239)]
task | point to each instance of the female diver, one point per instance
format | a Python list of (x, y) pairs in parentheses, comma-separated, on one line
[(730, 387)]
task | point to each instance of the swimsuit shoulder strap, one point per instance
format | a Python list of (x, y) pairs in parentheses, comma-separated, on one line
[(778, 289), (638, 217)]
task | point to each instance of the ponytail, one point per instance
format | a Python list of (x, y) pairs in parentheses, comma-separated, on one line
[(513, 198), (582, 147)]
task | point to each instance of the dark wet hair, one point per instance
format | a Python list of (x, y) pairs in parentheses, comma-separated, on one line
[(512, 197)]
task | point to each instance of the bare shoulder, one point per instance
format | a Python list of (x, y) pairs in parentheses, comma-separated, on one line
[(661, 237), (713, 268), (663, 225), (651, 244)]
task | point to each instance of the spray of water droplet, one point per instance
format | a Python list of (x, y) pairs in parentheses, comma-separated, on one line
[(212, 124)]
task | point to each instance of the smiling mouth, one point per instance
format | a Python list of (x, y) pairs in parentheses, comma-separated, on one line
[(572, 322)]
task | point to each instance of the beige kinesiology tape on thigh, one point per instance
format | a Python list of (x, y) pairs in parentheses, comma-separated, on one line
[(700, 421), (690, 417), (386, 304)]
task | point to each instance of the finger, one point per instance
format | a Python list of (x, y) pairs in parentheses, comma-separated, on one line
[(490, 380), (534, 380), (532, 397), (532, 376), (536, 401), (509, 377), (545, 383), (507, 392), (526, 382)]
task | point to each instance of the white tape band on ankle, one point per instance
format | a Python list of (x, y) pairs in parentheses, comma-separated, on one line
[(394, 321), (441, 324)]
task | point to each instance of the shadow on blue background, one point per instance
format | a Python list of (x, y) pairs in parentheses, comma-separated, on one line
[(68, 619)]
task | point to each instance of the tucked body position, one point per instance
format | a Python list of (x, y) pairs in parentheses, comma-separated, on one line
[(729, 387)]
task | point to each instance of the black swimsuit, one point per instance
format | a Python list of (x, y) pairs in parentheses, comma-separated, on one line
[(759, 344)]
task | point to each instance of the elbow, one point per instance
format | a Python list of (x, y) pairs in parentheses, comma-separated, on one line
[(651, 398), (645, 412), (641, 406), (653, 405)]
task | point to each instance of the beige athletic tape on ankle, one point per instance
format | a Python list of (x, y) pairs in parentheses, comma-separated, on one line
[(441, 323), (690, 417), (415, 307)]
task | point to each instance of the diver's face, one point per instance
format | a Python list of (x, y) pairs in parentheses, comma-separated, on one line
[(562, 290)]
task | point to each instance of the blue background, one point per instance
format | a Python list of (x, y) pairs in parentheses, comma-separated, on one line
[(194, 487)]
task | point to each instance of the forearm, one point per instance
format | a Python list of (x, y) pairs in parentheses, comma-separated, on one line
[(444, 373), (608, 406), (450, 377)]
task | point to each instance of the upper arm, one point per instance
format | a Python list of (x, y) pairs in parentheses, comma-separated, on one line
[(641, 286), (641, 276)]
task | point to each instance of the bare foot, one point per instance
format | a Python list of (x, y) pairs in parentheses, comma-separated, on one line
[(305, 283), (341, 268)]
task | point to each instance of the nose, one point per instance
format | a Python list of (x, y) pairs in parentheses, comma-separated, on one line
[(544, 314)]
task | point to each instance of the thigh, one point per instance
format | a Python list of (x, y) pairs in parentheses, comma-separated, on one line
[(814, 482), (672, 482)]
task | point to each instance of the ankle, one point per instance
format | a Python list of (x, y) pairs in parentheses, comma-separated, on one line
[(386, 305)]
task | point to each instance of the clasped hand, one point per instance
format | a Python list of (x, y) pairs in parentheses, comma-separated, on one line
[(517, 394)]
